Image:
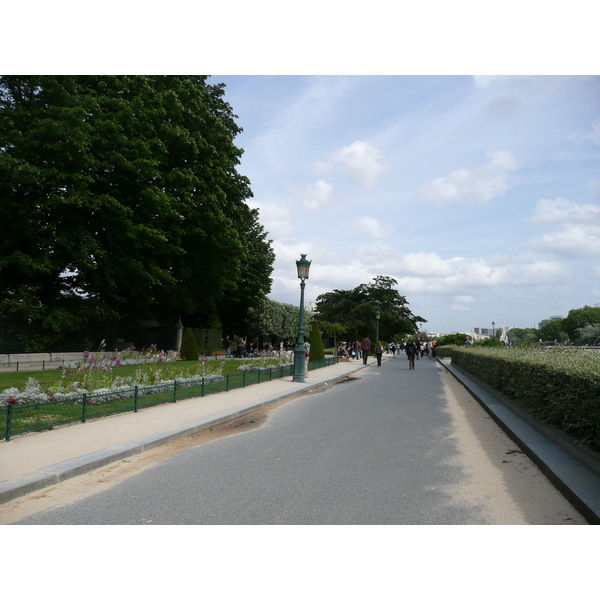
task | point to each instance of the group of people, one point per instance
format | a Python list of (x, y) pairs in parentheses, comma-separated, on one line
[(357, 350), (414, 349)]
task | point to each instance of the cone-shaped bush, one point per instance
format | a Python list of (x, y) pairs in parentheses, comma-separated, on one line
[(189, 346), (317, 351)]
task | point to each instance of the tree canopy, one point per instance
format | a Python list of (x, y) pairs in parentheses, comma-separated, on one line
[(356, 308), (578, 318), (119, 197), (276, 321)]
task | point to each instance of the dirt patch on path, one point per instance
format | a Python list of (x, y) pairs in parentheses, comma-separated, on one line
[(105, 477)]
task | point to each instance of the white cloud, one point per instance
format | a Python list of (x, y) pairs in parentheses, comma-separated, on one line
[(459, 307), (277, 220), (316, 195), (562, 210), (371, 227), (572, 241), (480, 185), (582, 135), (360, 162), (484, 81), (418, 272)]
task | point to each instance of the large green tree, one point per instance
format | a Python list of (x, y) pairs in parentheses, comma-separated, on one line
[(355, 309), (119, 197), (276, 321), (578, 318), (553, 331)]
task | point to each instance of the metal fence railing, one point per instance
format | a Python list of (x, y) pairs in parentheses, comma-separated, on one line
[(16, 419)]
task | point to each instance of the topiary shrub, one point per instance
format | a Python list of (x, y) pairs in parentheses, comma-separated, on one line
[(317, 351), (189, 346)]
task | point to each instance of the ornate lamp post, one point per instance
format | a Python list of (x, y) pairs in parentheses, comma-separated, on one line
[(377, 315), (303, 267), (493, 330)]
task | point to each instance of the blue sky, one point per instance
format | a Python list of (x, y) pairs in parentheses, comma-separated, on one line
[(479, 195), (371, 147)]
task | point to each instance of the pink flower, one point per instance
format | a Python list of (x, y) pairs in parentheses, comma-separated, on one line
[(118, 363), (11, 400)]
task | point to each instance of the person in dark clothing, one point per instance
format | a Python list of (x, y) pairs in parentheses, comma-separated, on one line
[(411, 350), (365, 348), (378, 352)]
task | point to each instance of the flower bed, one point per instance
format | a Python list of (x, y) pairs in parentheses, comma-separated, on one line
[(97, 377), (559, 386)]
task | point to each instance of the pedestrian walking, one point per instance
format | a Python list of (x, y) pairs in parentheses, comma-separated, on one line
[(378, 353), (411, 350), (365, 348), (306, 357), (356, 350)]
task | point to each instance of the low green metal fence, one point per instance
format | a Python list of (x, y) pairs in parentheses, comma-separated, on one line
[(16, 419)]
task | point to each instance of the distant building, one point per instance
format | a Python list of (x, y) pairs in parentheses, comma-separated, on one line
[(483, 333), (546, 321)]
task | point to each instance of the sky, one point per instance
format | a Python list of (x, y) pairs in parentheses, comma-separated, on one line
[(479, 195), (373, 147)]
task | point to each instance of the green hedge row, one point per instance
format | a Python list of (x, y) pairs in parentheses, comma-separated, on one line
[(558, 386)]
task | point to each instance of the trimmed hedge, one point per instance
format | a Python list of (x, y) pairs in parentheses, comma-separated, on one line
[(317, 351), (189, 347), (559, 386)]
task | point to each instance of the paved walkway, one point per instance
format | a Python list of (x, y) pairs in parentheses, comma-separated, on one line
[(32, 462)]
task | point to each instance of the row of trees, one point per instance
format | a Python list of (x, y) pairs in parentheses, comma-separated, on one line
[(581, 326), (120, 200), (340, 314)]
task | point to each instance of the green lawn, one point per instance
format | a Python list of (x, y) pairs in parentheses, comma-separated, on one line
[(49, 377)]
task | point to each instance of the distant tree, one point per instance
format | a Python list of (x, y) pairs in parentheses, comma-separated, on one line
[(452, 339), (355, 309), (489, 343), (334, 330), (523, 336), (189, 346), (317, 352), (276, 321), (578, 318), (553, 331), (590, 334)]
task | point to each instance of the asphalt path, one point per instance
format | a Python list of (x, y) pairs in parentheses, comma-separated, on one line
[(382, 448)]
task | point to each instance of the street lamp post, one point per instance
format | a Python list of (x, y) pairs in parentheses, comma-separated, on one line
[(303, 267), (377, 315), (493, 330)]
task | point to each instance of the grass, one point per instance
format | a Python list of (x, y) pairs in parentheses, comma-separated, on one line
[(49, 377), (38, 417)]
